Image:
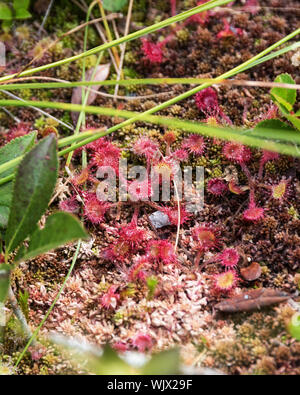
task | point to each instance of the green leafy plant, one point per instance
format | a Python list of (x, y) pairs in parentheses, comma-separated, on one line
[(26, 200), (8, 152), (285, 99), (152, 282), (17, 9)]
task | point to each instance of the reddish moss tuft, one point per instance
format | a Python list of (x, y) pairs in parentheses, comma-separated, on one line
[(153, 52)]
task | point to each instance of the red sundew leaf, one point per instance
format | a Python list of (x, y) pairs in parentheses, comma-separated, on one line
[(101, 74), (252, 300), (251, 272)]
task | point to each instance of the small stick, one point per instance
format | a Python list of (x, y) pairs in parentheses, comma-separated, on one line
[(45, 17), (37, 109)]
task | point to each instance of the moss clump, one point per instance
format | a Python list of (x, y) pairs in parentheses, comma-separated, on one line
[(90, 61), (130, 58), (216, 172), (25, 94), (203, 161), (183, 36)]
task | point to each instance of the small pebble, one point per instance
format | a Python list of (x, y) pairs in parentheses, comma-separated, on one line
[(159, 219)]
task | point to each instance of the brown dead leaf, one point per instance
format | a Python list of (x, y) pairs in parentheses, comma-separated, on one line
[(251, 272), (252, 300), (102, 72)]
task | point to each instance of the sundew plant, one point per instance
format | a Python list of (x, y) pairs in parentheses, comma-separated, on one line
[(149, 187)]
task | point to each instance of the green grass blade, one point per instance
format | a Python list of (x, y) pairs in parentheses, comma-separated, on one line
[(132, 36), (142, 81)]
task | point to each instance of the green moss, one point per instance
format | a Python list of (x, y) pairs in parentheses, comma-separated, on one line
[(139, 10), (57, 49), (25, 94), (66, 118), (216, 172), (293, 212), (203, 161), (93, 37), (183, 35), (90, 61), (40, 123), (119, 317), (130, 58)]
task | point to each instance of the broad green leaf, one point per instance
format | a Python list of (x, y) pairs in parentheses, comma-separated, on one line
[(281, 102), (15, 148), (294, 120), (4, 282), (5, 12), (6, 194), (24, 4), (60, 229), (297, 113), (294, 326), (275, 129), (284, 97), (21, 13), (8, 152), (5, 200), (4, 214), (34, 184), (114, 5), (165, 362)]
